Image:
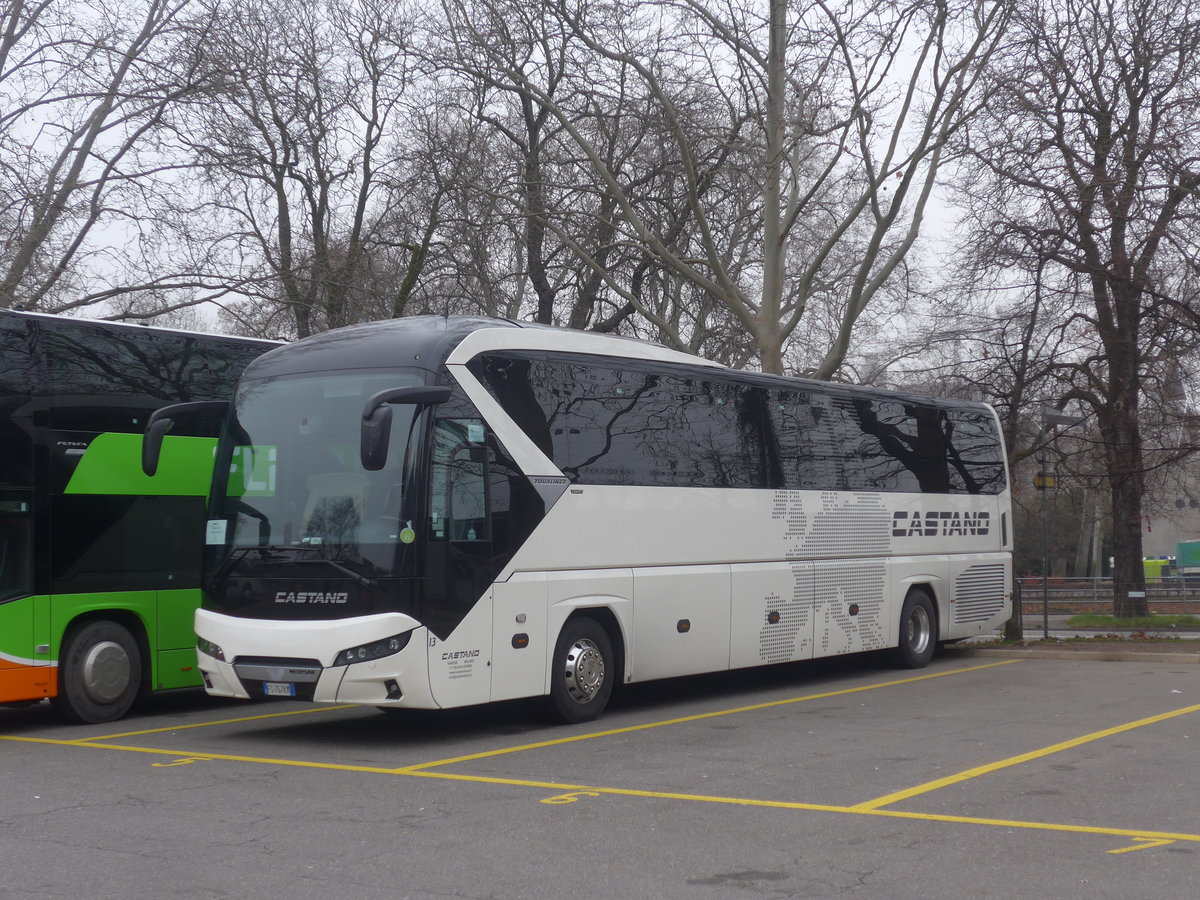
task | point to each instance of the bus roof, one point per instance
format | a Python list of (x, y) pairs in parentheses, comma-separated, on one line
[(136, 326)]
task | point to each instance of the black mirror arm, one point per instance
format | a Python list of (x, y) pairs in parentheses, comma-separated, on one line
[(377, 419), (162, 420)]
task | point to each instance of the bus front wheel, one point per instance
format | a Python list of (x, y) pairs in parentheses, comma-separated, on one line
[(918, 625), (99, 673), (583, 670)]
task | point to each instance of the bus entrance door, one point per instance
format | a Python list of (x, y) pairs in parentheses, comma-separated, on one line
[(461, 565)]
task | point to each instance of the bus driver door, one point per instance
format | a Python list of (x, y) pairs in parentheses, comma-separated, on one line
[(460, 565)]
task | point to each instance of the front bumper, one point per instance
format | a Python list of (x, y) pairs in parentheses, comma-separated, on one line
[(262, 657)]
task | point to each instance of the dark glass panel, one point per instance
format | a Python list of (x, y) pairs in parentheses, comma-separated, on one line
[(809, 458), (516, 507), (975, 452), (903, 447), (611, 419), (16, 375), (605, 425), (112, 379), (16, 544), (458, 482), (526, 389), (107, 543)]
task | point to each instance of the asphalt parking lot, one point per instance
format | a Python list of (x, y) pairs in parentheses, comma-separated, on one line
[(984, 776)]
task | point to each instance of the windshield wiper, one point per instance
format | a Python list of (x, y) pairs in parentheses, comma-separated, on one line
[(223, 567), (357, 576), (280, 555)]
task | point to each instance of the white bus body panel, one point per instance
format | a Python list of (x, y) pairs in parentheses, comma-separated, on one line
[(520, 607), (486, 340), (834, 567), (321, 640), (663, 600), (460, 671), (760, 589)]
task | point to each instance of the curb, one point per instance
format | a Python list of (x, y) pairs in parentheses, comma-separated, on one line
[(1100, 655)]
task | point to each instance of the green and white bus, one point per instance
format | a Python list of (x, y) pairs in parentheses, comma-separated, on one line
[(100, 563)]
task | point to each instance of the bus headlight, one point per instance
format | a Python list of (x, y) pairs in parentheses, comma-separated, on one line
[(208, 648), (373, 650)]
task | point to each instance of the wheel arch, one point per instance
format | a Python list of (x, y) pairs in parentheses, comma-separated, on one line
[(606, 619), (928, 585), (131, 622)]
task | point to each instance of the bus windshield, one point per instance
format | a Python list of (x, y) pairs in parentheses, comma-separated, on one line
[(296, 488)]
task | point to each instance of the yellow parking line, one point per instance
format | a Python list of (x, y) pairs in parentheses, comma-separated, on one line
[(976, 772), (228, 757), (592, 735), (1133, 833), (566, 792), (276, 715)]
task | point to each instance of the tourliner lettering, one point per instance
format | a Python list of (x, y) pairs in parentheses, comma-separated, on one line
[(312, 597), (930, 523)]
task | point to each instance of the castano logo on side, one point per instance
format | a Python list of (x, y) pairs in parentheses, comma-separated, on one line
[(940, 523)]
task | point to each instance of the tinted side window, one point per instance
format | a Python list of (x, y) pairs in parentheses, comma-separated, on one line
[(110, 380), (16, 375), (809, 457), (612, 421), (104, 543), (906, 446), (864, 466), (629, 427), (974, 451), (529, 391), (16, 544)]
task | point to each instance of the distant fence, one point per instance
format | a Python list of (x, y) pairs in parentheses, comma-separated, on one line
[(1176, 595)]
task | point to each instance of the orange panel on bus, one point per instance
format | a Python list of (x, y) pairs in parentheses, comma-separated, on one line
[(18, 683)]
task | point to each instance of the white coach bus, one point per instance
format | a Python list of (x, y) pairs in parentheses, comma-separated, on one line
[(436, 512)]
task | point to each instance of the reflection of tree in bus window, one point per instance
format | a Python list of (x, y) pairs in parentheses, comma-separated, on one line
[(458, 510)]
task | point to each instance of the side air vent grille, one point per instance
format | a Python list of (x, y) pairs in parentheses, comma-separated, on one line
[(979, 593)]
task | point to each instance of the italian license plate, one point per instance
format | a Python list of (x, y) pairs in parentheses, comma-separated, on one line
[(279, 689)]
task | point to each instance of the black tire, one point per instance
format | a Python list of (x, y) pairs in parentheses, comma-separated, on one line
[(583, 671), (99, 673), (918, 631)]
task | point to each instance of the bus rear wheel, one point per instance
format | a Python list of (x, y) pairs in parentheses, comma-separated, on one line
[(583, 670), (918, 624), (99, 673)]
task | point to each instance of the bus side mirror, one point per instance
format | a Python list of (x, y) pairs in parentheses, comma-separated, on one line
[(376, 431), (377, 420), (152, 442), (162, 421)]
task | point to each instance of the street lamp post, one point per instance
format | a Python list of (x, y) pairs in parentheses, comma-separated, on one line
[(1052, 419)]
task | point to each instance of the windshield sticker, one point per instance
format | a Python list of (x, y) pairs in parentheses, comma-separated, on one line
[(407, 536), (216, 532)]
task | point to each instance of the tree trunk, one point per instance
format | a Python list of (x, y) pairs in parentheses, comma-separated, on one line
[(1123, 446)]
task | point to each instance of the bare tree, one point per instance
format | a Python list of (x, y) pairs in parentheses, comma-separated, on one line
[(307, 175), (84, 88), (800, 153), (1084, 173)]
